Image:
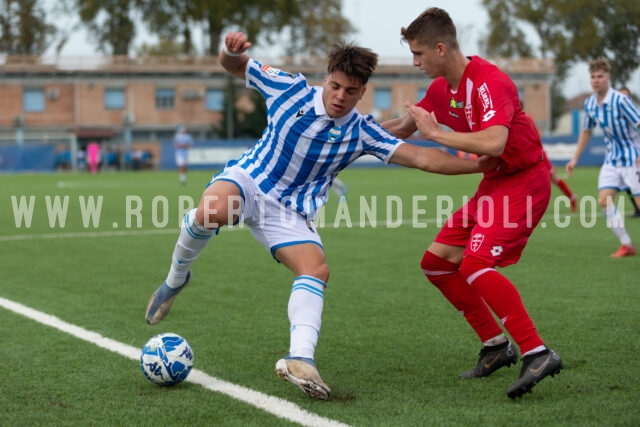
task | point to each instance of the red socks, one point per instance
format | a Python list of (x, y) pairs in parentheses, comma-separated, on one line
[(563, 186), (486, 286), (504, 299), (447, 278)]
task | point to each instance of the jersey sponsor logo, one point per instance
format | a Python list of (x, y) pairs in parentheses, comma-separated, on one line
[(270, 70), (485, 96), (488, 115), (497, 250), (476, 241), (456, 104)]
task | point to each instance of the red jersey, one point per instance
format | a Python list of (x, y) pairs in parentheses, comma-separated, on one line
[(487, 96)]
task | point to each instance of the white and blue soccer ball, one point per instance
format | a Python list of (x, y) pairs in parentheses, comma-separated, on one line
[(166, 359)]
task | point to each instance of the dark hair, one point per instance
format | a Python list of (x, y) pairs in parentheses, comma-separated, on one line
[(356, 62), (433, 26)]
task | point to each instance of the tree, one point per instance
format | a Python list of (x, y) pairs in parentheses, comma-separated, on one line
[(573, 32), (238, 123), (505, 40), (110, 23), (315, 26), (253, 123), (311, 25), (165, 47), (24, 29), (570, 33), (169, 18)]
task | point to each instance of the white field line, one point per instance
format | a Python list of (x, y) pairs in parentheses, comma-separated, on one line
[(105, 185), (174, 230), (85, 234), (274, 405)]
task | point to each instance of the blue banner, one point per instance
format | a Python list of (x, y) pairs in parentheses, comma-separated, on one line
[(23, 158), (215, 154)]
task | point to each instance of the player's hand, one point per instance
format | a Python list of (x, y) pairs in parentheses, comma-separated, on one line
[(425, 121), (236, 42), (488, 163), (569, 167)]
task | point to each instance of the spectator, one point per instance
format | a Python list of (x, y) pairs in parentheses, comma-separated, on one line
[(182, 141)]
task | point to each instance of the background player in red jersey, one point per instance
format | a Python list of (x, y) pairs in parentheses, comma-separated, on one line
[(480, 103), (559, 182)]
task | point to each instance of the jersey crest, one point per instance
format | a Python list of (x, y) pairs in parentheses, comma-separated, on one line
[(476, 241)]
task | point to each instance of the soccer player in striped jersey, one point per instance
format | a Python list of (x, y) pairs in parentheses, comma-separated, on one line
[(278, 186), (636, 210), (619, 119), (480, 103)]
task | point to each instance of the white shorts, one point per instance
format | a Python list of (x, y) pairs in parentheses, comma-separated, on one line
[(620, 178), (270, 223), (181, 158)]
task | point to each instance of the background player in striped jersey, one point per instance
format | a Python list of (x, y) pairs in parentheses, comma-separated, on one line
[(619, 119), (480, 103), (278, 186), (182, 142), (636, 210)]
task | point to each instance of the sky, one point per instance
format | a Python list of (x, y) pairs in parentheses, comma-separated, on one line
[(378, 23)]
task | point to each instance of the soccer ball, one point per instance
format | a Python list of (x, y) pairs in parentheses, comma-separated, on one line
[(166, 359)]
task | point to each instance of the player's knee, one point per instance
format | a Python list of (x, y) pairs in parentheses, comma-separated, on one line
[(207, 218), (213, 214), (436, 268), (471, 267), (321, 272), (604, 200), (429, 262)]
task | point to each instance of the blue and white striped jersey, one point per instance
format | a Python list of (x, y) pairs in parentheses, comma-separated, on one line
[(619, 119), (302, 149)]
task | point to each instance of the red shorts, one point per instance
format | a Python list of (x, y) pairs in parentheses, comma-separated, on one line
[(496, 223)]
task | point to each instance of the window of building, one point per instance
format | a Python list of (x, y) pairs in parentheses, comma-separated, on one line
[(33, 100), (114, 99), (215, 100), (165, 99), (382, 99)]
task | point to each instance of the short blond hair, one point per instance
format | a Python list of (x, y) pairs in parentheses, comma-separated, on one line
[(600, 64)]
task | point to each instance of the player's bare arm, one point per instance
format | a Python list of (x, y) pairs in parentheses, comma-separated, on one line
[(430, 159), (583, 141), (490, 141), (233, 57), (401, 127)]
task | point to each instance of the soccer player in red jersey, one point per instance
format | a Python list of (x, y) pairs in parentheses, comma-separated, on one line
[(559, 182), (480, 103)]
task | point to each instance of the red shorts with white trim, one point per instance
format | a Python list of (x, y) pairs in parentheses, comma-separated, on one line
[(498, 220)]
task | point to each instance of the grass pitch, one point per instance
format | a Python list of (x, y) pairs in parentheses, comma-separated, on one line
[(391, 347)]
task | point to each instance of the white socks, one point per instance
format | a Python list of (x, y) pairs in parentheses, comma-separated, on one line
[(616, 223), (305, 315), (193, 238)]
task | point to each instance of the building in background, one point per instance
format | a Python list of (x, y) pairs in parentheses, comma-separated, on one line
[(133, 104)]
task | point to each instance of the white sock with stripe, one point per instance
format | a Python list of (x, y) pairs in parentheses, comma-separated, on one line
[(305, 315), (616, 223), (193, 238)]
